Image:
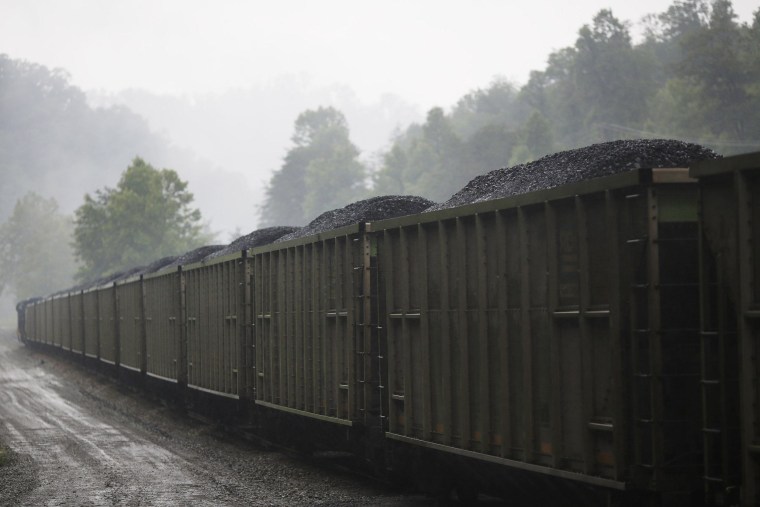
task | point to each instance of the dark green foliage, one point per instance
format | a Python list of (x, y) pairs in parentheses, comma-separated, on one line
[(320, 172), (147, 216), (694, 77), (52, 141), (35, 248)]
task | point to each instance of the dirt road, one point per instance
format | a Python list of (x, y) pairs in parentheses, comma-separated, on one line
[(80, 439)]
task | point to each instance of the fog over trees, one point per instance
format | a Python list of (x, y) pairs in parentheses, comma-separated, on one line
[(147, 216), (693, 76), (35, 251)]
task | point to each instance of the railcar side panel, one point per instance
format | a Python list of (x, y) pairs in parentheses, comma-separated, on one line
[(49, 321), (76, 306), (513, 330), (31, 325), (62, 324), (107, 325), (131, 336), (730, 224), (306, 298), (91, 318), (214, 313), (163, 324)]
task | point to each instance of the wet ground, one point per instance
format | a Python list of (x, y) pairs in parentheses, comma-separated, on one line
[(78, 438)]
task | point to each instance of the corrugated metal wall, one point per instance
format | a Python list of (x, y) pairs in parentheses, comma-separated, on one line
[(91, 323), (131, 343), (163, 323), (214, 310), (107, 326), (305, 307), (506, 328)]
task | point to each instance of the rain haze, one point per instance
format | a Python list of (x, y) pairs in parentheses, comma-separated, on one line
[(224, 81), (276, 112)]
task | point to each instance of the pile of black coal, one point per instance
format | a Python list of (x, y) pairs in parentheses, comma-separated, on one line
[(368, 210), (193, 256), (158, 265), (572, 166), (258, 237)]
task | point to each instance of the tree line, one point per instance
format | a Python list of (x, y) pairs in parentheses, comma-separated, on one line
[(694, 77)]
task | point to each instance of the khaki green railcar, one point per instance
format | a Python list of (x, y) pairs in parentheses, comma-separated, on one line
[(62, 317), (49, 322), (163, 326), (730, 224), (129, 295), (76, 305), (214, 306), (108, 329), (30, 331), (91, 320), (32, 321), (306, 301), (555, 332), (52, 322), (21, 318)]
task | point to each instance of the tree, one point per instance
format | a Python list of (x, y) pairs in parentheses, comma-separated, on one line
[(48, 128), (535, 138), (35, 248), (712, 61), (320, 172), (147, 216)]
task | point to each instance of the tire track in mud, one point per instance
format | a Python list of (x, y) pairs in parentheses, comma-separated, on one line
[(80, 439), (83, 459)]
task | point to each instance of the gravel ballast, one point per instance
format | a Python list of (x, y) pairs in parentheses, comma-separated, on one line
[(581, 164), (368, 210)]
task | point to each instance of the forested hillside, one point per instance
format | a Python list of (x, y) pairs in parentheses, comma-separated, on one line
[(694, 77), (52, 142)]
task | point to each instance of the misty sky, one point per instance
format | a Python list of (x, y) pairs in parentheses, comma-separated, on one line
[(429, 52), (225, 80)]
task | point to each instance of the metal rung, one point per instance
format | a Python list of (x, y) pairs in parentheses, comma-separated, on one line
[(710, 382), (404, 315), (343, 386), (567, 313), (635, 241), (715, 431), (600, 426), (752, 314), (711, 479), (397, 397)]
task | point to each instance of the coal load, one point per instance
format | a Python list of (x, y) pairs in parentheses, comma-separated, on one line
[(259, 237), (194, 255), (158, 265), (368, 210), (581, 164)]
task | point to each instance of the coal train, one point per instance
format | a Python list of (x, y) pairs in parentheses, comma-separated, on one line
[(593, 343)]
